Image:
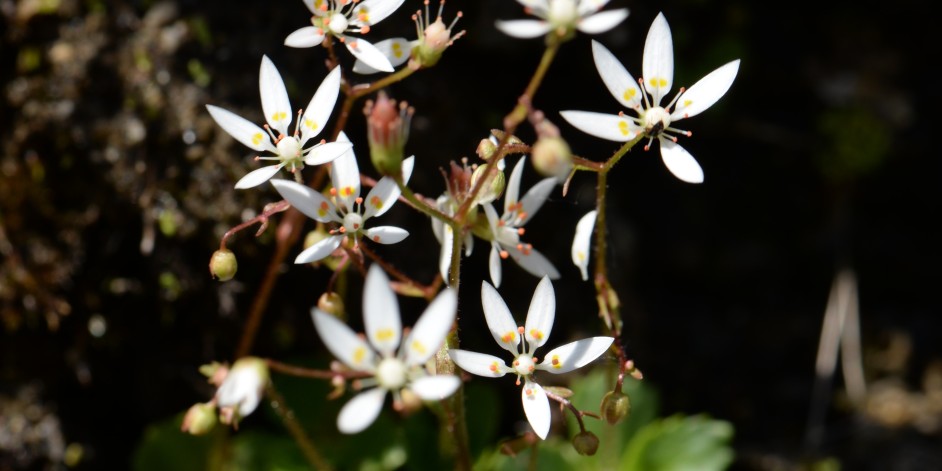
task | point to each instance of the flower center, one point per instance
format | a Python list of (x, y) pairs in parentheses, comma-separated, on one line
[(562, 13), (524, 365), (338, 23), (352, 222), (391, 374), (289, 148), (655, 121)]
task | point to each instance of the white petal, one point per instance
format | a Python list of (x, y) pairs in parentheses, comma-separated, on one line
[(541, 314), (347, 346), (361, 411), (524, 29), (257, 177), (326, 152), (444, 257), (536, 5), (381, 312), (589, 6), (374, 11), (435, 388), (242, 129), (606, 126), (303, 198), (581, 241), (706, 91), (493, 264), (243, 387), (680, 162), (397, 50), (512, 191), (534, 199), (480, 364), (345, 176), (499, 320), (386, 234), (275, 102), (430, 330), (382, 197), (602, 22), (533, 262), (319, 250), (574, 354), (366, 52), (617, 79), (308, 36), (321, 105), (658, 62), (536, 407)]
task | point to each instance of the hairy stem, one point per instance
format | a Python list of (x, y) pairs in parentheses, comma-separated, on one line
[(296, 430)]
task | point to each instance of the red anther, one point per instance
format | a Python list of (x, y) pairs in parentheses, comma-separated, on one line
[(516, 362), (376, 238), (359, 200), (520, 247), (504, 254), (343, 230), (621, 113), (689, 134), (674, 138), (459, 15), (356, 226), (523, 214), (647, 147), (518, 381), (520, 231), (323, 141), (333, 192), (365, 28), (257, 158), (520, 329)]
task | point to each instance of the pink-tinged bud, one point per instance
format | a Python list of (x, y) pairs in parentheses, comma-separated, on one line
[(223, 265), (388, 133), (199, 419), (586, 443)]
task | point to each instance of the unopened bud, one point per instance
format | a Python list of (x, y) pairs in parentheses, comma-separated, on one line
[(486, 149), (492, 188), (331, 303), (388, 132), (199, 419), (586, 443), (411, 403), (551, 157), (615, 406), (223, 265)]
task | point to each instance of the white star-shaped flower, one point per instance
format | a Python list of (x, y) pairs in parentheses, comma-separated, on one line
[(508, 228), (288, 149), (653, 119), (522, 343), (563, 16), (345, 207), (391, 372), (338, 17), (581, 242)]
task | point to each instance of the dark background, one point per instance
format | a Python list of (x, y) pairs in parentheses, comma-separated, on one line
[(115, 186)]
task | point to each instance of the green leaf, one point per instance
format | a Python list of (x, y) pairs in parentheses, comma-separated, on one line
[(680, 443), (164, 446)]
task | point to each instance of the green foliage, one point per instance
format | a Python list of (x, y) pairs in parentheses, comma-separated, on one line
[(680, 443)]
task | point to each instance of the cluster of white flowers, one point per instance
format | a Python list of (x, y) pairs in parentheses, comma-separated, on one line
[(388, 359)]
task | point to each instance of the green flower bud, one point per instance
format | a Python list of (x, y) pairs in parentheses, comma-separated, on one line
[(615, 406), (494, 186), (486, 149), (223, 265), (199, 419), (331, 303), (551, 157), (586, 443)]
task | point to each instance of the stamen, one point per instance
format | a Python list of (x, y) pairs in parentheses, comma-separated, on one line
[(268, 129), (644, 89), (297, 126), (647, 146), (504, 254), (520, 231), (676, 97)]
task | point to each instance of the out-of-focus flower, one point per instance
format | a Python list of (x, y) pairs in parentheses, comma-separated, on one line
[(288, 149), (654, 120), (563, 17), (338, 17), (345, 207), (242, 389), (522, 343), (391, 372)]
